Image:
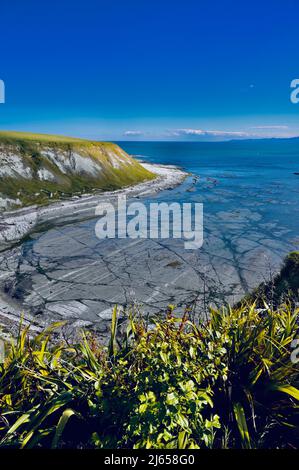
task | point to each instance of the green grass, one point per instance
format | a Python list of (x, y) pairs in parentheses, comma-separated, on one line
[(226, 383), (14, 136)]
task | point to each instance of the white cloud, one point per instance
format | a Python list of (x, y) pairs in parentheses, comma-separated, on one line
[(270, 127), (132, 133), (256, 132), (210, 133)]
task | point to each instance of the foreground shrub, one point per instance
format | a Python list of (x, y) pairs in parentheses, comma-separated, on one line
[(228, 382)]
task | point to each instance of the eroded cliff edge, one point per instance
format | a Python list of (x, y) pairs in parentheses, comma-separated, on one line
[(38, 169)]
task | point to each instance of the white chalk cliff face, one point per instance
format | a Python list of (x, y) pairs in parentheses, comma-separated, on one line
[(31, 172), (70, 162), (12, 165)]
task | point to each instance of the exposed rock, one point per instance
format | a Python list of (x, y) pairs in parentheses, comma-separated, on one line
[(33, 167)]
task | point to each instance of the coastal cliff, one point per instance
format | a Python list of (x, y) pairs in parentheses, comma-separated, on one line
[(37, 168)]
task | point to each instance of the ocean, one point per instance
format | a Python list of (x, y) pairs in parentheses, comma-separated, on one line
[(247, 174)]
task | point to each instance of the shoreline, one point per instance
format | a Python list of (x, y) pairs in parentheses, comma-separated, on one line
[(16, 225), (20, 223)]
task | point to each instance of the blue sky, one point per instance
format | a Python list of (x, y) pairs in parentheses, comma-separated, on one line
[(150, 69)]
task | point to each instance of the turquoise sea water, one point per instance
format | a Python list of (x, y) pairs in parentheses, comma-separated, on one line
[(255, 175)]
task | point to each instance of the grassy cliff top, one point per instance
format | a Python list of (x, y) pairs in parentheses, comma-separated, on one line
[(14, 137)]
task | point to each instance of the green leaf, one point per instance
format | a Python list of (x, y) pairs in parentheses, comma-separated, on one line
[(182, 420), (242, 425), (22, 420), (112, 343), (172, 399), (182, 440), (66, 415), (292, 391)]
